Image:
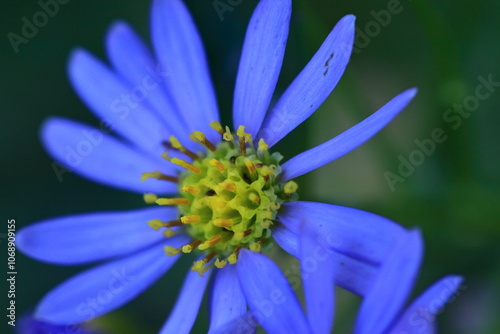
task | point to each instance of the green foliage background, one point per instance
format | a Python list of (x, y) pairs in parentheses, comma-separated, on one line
[(453, 196)]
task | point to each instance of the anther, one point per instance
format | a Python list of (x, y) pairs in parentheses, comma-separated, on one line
[(177, 145), (198, 136), (263, 146), (247, 232), (290, 188), (200, 265), (233, 258), (189, 247), (186, 165), (190, 219), (228, 186), (250, 166), (220, 264), (217, 127), (191, 190), (172, 201), (211, 242), (242, 140), (171, 251), (150, 198), (223, 222), (158, 175), (254, 197), (156, 224), (228, 136), (217, 164)]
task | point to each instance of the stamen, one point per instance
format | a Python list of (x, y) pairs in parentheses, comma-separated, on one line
[(171, 251), (255, 246), (217, 127), (158, 175), (247, 232), (228, 136), (250, 166), (177, 144), (217, 164), (168, 233), (263, 145), (200, 265), (191, 190), (241, 138), (233, 258), (211, 242), (198, 136), (156, 224), (189, 247), (220, 264), (186, 165), (228, 186), (223, 222), (290, 188), (150, 198), (172, 201), (254, 197), (190, 219)]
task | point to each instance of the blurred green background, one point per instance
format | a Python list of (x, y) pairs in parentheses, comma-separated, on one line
[(443, 48)]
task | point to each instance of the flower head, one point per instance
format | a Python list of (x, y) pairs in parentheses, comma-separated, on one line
[(222, 192)]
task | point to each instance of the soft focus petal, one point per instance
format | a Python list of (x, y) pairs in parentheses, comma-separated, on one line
[(27, 324), (91, 237), (358, 234), (244, 324), (350, 274), (116, 103), (104, 288), (180, 52), (420, 316), (182, 317), (392, 285), (227, 301), (313, 85), (317, 268), (101, 158), (133, 61), (269, 295), (346, 141), (260, 63)]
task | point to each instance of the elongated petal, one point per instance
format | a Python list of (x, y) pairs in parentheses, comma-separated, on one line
[(269, 295), (104, 288), (350, 274), (133, 61), (180, 52), (95, 155), (260, 63), (358, 234), (392, 285), (227, 301), (244, 324), (317, 267), (188, 303), (347, 140), (92, 237), (420, 315), (313, 85), (116, 103)]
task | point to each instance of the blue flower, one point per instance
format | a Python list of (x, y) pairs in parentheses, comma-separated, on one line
[(273, 304), (29, 325), (234, 195)]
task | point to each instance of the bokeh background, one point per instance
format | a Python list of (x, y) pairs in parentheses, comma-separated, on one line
[(453, 196)]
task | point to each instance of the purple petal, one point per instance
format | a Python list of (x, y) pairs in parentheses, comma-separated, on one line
[(420, 316), (186, 308), (313, 85), (269, 295), (244, 324), (260, 63), (118, 105), (346, 141), (358, 234), (392, 285), (92, 237), (95, 155), (227, 301), (180, 51), (317, 267), (105, 288), (350, 274), (133, 61)]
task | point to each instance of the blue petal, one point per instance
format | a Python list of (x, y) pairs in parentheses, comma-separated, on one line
[(260, 63), (101, 158), (313, 85), (116, 104), (180, 52), (227, 301), (245, 324), (346, 141), (350, 274), (133, 61), (92, 237), (269, 295), (392, 285), (104, 288), (358, 234), (420, 316), (188, 303), (317, 267)]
